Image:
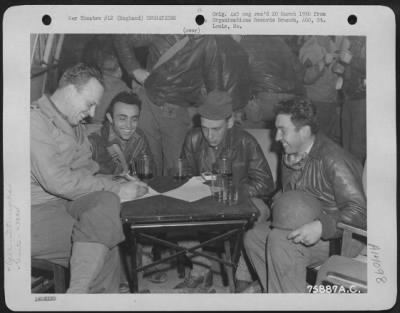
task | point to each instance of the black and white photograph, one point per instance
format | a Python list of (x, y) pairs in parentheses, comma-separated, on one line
[(219, 162)]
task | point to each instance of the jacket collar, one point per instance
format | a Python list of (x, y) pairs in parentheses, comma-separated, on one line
[(319, 142)]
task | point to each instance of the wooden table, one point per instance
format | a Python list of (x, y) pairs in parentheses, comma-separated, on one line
[(148, 218)]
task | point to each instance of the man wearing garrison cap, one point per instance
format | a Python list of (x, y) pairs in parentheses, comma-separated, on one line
[(218, 136)]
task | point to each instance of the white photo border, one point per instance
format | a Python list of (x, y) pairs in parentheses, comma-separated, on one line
[(377, 23)]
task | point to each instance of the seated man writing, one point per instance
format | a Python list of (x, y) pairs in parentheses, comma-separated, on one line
[(75, 214), (202, 147), (316, 166)]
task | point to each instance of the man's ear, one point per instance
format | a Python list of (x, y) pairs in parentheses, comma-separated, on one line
[(305, 131), (230, 121), (70, 90), (109, 118)]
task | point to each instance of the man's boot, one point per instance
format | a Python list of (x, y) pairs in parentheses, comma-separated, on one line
[(86, 262)]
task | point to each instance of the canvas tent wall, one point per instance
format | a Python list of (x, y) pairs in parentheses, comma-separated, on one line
[(45, 54)]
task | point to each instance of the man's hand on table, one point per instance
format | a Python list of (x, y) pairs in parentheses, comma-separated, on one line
[(132, 189), (125, 177), (132, 178)]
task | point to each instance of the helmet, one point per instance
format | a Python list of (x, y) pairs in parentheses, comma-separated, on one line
[(293, 209)]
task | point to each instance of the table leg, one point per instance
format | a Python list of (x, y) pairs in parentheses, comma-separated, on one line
[(180, 260), (238, 246), (222, 267), (133, 246), (228, 257)]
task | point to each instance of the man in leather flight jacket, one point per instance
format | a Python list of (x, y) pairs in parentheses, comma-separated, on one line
[(250, 171), (316, 165), (119, 142), (179, 71)]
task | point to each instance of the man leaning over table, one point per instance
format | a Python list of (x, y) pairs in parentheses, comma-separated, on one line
[(202, 147), (75, 214)]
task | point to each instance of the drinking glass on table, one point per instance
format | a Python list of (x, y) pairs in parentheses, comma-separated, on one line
[(179, 170), (144, 167), (224, 166), (223, 189), (233, 194)]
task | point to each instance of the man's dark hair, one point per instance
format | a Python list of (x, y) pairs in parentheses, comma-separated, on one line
[(302, 112), (98, 50), (79, 75), (124, 97)]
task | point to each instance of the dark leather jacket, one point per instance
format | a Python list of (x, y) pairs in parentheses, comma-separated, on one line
[(249, 166), (354, 86), (136, 146), (333, 176), (205, 63), (179, 80), (273, 65), (234, 71)]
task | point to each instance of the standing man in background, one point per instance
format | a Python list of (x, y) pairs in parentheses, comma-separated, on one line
[(318, 54), (100, 53), (181, 71), (275, 74), (354, 115)]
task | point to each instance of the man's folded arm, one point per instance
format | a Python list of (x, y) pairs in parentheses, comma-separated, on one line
[(57, 178)]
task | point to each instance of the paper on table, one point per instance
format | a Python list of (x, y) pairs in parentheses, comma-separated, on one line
[(192, 190), (150, 193)]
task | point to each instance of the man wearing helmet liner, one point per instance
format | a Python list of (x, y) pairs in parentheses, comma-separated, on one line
[(316, 165), (294, 208)]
